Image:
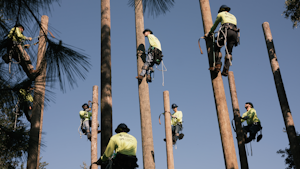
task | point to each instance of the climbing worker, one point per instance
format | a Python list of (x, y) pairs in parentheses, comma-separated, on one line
[(15, 49), (176, 122), (86, 123), (125, 146), (26, 100), (154, 55), (253, 122), (227, 33)]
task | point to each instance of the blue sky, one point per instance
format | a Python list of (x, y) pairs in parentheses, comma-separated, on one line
[(187, 79)]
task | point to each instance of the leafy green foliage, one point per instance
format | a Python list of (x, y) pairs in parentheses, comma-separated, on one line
[(154, 7), (293, 11), (289, 160), (64, 65)]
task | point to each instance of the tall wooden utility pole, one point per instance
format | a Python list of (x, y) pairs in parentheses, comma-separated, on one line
[(146, 123), (238, 125), (38, 100), (219, 94), (94, 127), (106, 95), (169, 142), (286, 112)]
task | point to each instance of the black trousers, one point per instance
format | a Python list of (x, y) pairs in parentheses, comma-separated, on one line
[(231, 39), (122, 161), (252, 129)]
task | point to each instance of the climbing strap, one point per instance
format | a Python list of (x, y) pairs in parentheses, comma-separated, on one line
[(234, 128), (213, 48), (16, 110)]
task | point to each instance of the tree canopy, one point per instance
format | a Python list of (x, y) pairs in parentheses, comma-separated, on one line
[(292, 11)]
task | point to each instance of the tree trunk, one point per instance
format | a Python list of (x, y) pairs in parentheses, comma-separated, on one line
[(94, 138), (238, 125), (145, 112), (106, 95), (38, 100), (169, 142), (219, 94), (286, 112)]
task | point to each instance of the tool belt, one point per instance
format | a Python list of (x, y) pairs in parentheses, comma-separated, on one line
[(157, 55), (125, 161), (230, 26)]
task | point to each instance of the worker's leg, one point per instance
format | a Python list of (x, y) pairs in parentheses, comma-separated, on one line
[(253, 130), (149, 61), (86, 125), (173, 134), (246, 129), (231, 41), (218, 56), (177, 129), (26, 57)]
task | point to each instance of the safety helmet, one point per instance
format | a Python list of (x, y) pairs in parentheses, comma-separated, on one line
[(122, 128), (224, 8), (250, 104), (147, 30), (85, 104), (19, 25), (174, 105)]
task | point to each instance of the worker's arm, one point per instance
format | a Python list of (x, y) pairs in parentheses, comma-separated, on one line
[(109, 149), (218, 20), (20, 35), (243, 117)]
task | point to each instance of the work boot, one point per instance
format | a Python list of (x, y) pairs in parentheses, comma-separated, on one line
[(139, 77), (6, 58), (149, 78), (218, 68), (225, 72), (31, 71), (181, 136), (259, 138), (89, 136)]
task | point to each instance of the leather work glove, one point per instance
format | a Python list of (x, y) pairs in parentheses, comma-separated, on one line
[(245, 118), (99, 162), (209, 34)]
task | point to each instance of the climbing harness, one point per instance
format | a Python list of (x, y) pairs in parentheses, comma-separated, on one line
[(222, 33), (157, 61)]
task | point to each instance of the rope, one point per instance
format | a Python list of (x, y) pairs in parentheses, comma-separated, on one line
[(225, 40), (163, 69), (251, 149), (16, 113), (79, 128), (234, 129)]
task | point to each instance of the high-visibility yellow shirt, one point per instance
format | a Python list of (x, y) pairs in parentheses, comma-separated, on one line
[(26, 96), (16, 35), (85, 115), (223, 17), (154, 42), (178, 119), (123, 143), (252, 116)]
